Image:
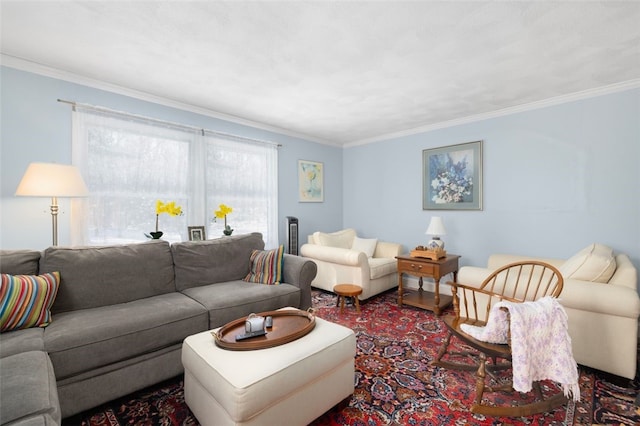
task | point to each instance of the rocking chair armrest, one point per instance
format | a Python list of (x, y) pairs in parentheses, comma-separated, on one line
[(465, 287), (470, 297)]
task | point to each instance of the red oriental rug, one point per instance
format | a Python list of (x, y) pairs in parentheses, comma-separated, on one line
[(395, 383)]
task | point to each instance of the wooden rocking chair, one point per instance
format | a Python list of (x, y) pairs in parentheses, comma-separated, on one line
[(516, 282)]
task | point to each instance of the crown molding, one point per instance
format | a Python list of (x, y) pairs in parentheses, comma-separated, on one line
[(36, 68), (44, 70), (585, 94)]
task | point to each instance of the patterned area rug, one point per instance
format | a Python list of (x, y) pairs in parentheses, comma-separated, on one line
[(395, 385)]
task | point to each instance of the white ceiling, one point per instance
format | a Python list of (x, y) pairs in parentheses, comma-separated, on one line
[(339, 72)]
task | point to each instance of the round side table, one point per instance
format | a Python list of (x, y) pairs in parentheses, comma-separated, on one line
[(347, 290)]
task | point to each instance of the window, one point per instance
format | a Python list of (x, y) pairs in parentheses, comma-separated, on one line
[(130, 162)]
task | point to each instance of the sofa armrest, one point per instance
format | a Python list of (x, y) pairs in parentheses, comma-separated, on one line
[(386, 249), (299, 272), (626, 274), (600, 298), (334, 255)]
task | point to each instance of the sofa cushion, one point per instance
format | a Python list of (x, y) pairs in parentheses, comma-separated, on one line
[(28, 390), (38, 420), (102, 276), (339, 239), (365, 245), (19, 262), (86, 339), (594, 263), (25, 300), (234, 299), (199, 263), (265, 266), (15, 342), (380, 267)]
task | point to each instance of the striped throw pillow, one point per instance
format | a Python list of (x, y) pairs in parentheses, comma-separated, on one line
[(266, 266), (26, 300)]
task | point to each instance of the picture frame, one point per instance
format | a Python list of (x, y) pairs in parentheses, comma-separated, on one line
[(452, 177), (197, 233), (310, 181)]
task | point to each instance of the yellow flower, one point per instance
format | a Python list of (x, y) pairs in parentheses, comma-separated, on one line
[(223, 211), (170, 208)]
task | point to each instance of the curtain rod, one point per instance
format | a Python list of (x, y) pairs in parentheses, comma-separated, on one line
[(168, 123)]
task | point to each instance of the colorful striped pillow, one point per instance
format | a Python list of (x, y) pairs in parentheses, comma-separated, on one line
[(25, 300), (266, 266)]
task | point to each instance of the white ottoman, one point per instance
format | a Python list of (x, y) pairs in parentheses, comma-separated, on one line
[(291, 384)]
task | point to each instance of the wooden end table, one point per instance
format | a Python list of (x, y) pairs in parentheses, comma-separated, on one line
[(348, 290), (423, 267)]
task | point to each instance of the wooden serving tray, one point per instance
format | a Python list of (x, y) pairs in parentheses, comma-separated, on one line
[(288, 325)]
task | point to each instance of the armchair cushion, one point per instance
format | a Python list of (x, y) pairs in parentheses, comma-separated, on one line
[(594, 263), (365, 245), (379, 267), (341, 239)]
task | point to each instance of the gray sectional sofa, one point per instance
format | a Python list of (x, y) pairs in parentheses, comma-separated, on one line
[(121, 314)]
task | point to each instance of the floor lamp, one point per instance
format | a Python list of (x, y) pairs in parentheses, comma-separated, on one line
[(55, 181)]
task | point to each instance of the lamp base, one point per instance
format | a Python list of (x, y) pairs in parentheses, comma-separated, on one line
[(54, 219), (435, 243)]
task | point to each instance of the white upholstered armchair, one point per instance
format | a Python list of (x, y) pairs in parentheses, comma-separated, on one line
[(344, 258), (601, 300)]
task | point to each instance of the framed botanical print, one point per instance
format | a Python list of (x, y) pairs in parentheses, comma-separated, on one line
[(452, 177)]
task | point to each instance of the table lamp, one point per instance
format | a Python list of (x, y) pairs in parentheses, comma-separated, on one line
[(435, 229), (52, 180)]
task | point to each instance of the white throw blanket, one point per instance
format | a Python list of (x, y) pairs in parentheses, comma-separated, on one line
[(540, 343)]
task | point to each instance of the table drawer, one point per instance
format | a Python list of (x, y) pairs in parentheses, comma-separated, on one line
[(411, 267)]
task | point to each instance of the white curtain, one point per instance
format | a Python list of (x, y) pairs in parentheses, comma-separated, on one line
[(243, 176), (129, 163)]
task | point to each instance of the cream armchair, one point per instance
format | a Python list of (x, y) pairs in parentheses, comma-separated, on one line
[(344, 258), (601, 300)]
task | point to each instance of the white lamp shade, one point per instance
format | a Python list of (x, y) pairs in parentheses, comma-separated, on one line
[(52, 180), (436, 227)]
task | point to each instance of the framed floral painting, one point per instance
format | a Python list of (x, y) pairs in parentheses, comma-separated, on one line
[(452, 177), (310, 181)]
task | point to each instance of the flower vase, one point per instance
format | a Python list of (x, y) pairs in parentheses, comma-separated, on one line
[(156, 235)]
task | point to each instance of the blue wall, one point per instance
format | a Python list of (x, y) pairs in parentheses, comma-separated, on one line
[(36, 127), (555, 180)]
